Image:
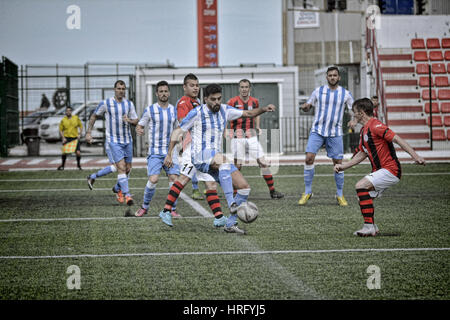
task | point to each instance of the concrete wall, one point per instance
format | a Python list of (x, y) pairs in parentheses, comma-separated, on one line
[(397, 31)]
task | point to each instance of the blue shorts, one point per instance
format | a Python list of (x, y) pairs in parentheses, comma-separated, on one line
[(333, 145), (155, 162), (121, 151), (109, 153)]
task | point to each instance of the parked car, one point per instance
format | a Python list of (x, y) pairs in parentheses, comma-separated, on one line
[(49, 128), (29, 125)]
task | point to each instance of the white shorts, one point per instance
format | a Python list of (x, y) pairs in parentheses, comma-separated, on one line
[(188, 169), (381, 180), (240, 147)]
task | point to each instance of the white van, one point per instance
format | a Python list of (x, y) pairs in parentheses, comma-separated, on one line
[(49, 128)]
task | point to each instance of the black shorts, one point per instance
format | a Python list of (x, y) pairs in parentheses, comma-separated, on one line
[(71, 139)]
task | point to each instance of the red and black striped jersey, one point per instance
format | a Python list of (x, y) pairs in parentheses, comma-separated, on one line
[(243, 127), (376, 141), (184, 105)]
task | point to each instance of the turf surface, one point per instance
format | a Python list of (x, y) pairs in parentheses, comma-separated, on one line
[(50, 220)]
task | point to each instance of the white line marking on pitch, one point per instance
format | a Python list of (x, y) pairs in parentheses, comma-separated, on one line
[(204, 253), (68, 190), (249, 177), (197, 207), (84, 219)]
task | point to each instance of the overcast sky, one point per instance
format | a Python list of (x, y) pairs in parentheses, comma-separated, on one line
[(137, 31)]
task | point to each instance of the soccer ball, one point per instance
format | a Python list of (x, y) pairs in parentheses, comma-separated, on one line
[(247, 212)]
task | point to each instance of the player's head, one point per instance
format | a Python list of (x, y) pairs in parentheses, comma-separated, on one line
[(213, 96), (375, 101), (244, 88), (119, 89), (362, 107), (162, 91), (333, 76), (190, 85), (69, 111)]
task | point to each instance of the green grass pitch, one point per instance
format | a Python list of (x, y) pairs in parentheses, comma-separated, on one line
[(289, 253)]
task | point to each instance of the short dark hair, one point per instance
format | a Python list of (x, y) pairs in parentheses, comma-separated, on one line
[(69, 107), (211, 89), (119, 82), (162, 83), (365, 105), (375, 97), (332, 69), (190, 76), (245, 80)]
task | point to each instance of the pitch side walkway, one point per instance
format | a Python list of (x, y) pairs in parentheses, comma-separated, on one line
[(97, 162)]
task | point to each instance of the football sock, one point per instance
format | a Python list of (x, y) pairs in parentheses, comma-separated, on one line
[(339, 178), (63, 158), (78, 161), (308, 177), (366, 205), (174, 207), (103, 172), (226, 182), (214, 203), (242, 196), (174, 192), (194, 182), (267, 175), (122, 180), (117, 187), (148, 194)]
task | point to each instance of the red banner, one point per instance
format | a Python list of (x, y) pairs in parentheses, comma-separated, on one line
[(207, 33)]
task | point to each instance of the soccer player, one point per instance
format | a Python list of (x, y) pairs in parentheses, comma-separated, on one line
[(70, 129), (120, 113), (377, 143), (244, 132), (327, 130), (187, 170), (206, 124), (161, 118), (185, 104)]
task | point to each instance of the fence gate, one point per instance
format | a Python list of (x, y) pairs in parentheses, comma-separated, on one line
[(9, 106)]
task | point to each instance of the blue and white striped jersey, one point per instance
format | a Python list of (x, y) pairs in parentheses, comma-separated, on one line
[(161, 122), (206, 128), (329, 110), (117, 130)]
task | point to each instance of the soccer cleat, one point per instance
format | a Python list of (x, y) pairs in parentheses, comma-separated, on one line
[(140, 212), (129, 200), (304, 199), (368, 230), (61, 168), (90, 182), (119, 195), (232, 220), (175, 214), (341, 201), (79, 168), (234, 229), (166, 217), (221, 222), (276, 195), (196, 195)]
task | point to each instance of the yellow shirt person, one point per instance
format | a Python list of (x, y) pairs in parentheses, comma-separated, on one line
[(70, 129)]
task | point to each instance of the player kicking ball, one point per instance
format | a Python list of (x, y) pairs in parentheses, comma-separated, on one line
[(377, 143)]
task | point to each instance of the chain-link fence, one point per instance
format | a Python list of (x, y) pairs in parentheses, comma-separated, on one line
[(46, 91)]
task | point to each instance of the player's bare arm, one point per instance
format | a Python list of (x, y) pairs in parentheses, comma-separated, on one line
[(256, 112), (131, 121), (360, 156), (140, 130), (405, 146), (174, 138), (306, 106), (89, 128)]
